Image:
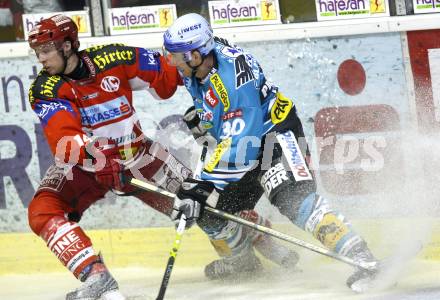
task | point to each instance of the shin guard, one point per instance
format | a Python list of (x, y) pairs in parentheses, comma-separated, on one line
[(266, 245), (331, 228), (234, 238), (69, 243), (230, 240), (241, 239)]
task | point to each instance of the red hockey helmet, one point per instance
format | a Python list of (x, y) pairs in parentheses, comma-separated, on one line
[(57, 29)]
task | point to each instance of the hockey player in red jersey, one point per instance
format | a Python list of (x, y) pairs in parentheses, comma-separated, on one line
[(84, 102)]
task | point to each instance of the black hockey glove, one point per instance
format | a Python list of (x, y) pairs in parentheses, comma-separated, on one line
[(191, 199), (192, 120)]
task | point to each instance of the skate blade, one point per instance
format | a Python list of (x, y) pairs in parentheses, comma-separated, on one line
[(384, 279), (113, 295), (362, 285)]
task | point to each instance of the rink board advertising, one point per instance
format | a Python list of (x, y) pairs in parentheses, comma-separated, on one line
[(434, 66), (141, 19), (426, 6), (80, 17), (243, 13), (351, 9)]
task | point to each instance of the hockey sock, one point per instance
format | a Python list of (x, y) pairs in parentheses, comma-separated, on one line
[(331, 228), (265, 244), (69, 243), (229, 240)]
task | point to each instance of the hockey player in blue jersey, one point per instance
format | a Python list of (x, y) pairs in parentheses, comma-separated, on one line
[(259, 148)]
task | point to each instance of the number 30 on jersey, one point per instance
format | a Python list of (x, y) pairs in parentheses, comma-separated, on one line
[(233, 127)]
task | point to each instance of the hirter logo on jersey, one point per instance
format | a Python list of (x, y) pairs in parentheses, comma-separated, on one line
[(110, 84), (210, 98)]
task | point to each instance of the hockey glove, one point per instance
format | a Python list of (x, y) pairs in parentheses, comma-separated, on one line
[(191, 199), (106, 161), (193, 122)]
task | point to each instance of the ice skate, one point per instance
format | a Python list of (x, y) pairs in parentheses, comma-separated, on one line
[(290, 260), (278, 253), (99, 284), (243, 265), (363, 279)]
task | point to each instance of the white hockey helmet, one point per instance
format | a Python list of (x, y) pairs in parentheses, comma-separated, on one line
[(189, 32)]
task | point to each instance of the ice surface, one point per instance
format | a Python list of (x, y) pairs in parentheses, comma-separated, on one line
[(419, 280)]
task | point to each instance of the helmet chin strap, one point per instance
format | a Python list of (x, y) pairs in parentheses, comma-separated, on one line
[(65, 59), (195, 68)]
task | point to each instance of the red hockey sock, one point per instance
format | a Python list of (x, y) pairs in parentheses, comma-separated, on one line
[(69, 243)]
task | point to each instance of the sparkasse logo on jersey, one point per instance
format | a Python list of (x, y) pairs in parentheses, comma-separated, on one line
[(110, 84), (100, 113)]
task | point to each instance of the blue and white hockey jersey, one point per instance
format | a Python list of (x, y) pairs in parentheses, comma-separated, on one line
[(238, 106)]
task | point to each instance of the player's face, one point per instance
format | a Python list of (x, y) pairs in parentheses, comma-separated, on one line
[(51, 59), (184, 69), (179, 60)]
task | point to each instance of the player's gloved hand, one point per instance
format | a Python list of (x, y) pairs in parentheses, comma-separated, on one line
[(191, 199), (106, 161), (192, 120)]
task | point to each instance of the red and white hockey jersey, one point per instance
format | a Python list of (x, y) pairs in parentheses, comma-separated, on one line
[(101, 104)]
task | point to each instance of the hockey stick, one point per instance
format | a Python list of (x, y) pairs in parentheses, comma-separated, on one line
[(172, 258), (179, 231), (149, 187), (199, 167)]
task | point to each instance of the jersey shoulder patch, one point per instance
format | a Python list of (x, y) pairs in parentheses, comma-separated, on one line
[(45, 87), (149, 60), (108, 56)]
